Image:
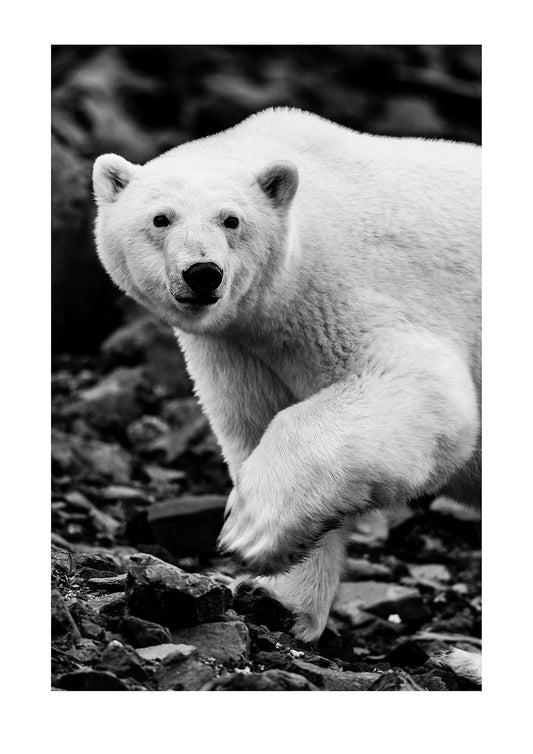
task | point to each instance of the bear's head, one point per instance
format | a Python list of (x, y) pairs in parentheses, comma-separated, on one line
[(197, 240)]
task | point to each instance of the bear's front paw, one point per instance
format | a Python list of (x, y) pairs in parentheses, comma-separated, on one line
[(259, 539)]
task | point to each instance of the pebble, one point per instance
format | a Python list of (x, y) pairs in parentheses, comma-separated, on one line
[(109, 584), (435, 575), (165, 594), (115, 401), (227, 641), (122, 661), (264, 640), (161, 651), (359, 569), (143, 633)]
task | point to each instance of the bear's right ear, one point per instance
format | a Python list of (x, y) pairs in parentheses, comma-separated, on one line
[(279, 181), (111, 175)]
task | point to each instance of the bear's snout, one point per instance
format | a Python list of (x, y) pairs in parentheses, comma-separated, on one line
[(203, 277)]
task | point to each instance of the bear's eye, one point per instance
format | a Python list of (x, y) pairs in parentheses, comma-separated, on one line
[(231, 222), (160, 221)]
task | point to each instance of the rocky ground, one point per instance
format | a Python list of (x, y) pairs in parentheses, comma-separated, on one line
[(138, 491)]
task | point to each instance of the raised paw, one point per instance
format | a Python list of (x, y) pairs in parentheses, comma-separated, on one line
[(261, 540)]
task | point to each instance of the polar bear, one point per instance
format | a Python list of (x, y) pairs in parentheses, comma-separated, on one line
[(324, 286)]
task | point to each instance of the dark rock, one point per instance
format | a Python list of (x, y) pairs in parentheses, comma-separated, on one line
[(188, 525), (395, 680), (115, 401), (164, 593), (264, 640), (445, 506), (78, 279), (359, 569), (178, 674), (149, 341), (227, 641), (98, 564), (102, 459), (434, 575), (333, 680), (62, 563), (109, 607), (408, 115), (104, 525), (436, 680), (122, 661), (408, 654), (335, 646), (138, 531), (370, 532), (143, 633), (77, 500), (161, 651), (90, 680), (90, 630), (85, 652), (276, 659), (125, 494), (143, 433), (109, 584), (63, 625), (160, 475), (252, 602), (270, 680), (381, 599)]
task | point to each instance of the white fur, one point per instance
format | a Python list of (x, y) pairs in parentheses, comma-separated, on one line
[(340, 367)]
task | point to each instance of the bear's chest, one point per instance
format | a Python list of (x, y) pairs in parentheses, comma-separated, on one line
[(303, 370)]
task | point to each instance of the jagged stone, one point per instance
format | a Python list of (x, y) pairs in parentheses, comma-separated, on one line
[(165, 594)]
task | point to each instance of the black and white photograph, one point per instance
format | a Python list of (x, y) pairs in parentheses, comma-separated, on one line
[(266, 367)]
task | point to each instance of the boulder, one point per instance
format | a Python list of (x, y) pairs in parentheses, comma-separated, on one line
[(164, 593), (189, 524)]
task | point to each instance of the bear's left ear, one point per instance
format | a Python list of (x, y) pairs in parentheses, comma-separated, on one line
[(111, 175), (279, 181)]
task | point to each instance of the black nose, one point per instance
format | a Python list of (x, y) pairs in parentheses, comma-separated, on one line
[(203, 277)]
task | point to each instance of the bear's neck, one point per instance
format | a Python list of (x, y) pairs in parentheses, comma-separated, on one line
[(303, 334)]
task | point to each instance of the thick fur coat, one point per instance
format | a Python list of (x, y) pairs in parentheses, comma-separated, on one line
[(339, 359)]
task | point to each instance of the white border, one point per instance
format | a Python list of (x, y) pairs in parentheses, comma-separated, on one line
[(35, 717)]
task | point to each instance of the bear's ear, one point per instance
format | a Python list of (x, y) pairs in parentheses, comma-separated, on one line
[(279, 181), (111, 174)]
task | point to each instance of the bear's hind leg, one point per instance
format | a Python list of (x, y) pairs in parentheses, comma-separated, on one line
[(309, 588)]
